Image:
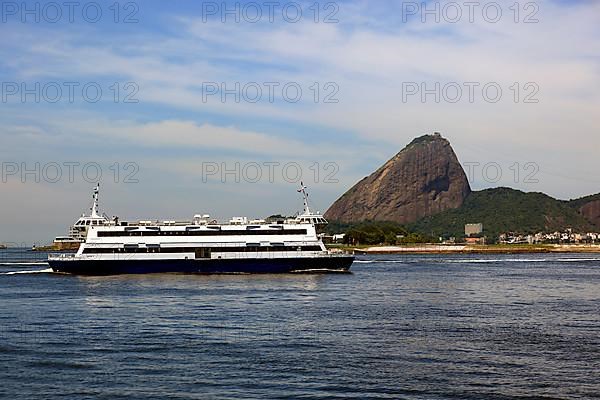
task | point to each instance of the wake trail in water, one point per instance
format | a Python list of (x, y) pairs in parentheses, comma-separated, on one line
[(41, 271), (24, 263)]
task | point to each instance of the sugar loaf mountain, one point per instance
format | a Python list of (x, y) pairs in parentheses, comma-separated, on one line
[(425, 189)]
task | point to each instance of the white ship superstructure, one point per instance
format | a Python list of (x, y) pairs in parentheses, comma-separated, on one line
[(80, 228)]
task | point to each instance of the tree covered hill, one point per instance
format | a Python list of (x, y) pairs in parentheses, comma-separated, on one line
[(505, 210)]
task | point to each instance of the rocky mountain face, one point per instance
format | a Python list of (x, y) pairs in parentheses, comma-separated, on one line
[(591, 212), (589, 207), (423, 179)]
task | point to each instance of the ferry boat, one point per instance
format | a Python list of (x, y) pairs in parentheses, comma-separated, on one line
[(203, 246)]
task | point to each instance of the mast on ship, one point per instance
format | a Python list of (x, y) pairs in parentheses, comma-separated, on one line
[(95, 208), (307, 216), (78, 230), (305, 197)]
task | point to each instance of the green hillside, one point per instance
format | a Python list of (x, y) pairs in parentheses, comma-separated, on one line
[(504, 210)]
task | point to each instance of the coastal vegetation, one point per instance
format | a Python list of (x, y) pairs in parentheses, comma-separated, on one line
[(375, 232), (505, 210)]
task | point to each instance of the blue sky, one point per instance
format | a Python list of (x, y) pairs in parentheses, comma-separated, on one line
[(175, 50)]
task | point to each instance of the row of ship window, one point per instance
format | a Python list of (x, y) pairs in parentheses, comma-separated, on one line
[(202, 232), (245, 249), (90, 222)]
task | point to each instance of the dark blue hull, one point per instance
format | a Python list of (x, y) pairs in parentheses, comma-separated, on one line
[(214, 266)]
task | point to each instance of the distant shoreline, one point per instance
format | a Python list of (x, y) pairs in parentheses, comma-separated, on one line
[(477, 249)]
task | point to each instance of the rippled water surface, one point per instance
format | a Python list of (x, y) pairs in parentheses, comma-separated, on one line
[(399, 327)]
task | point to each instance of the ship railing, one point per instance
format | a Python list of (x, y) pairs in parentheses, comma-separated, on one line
[(64, 256)]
